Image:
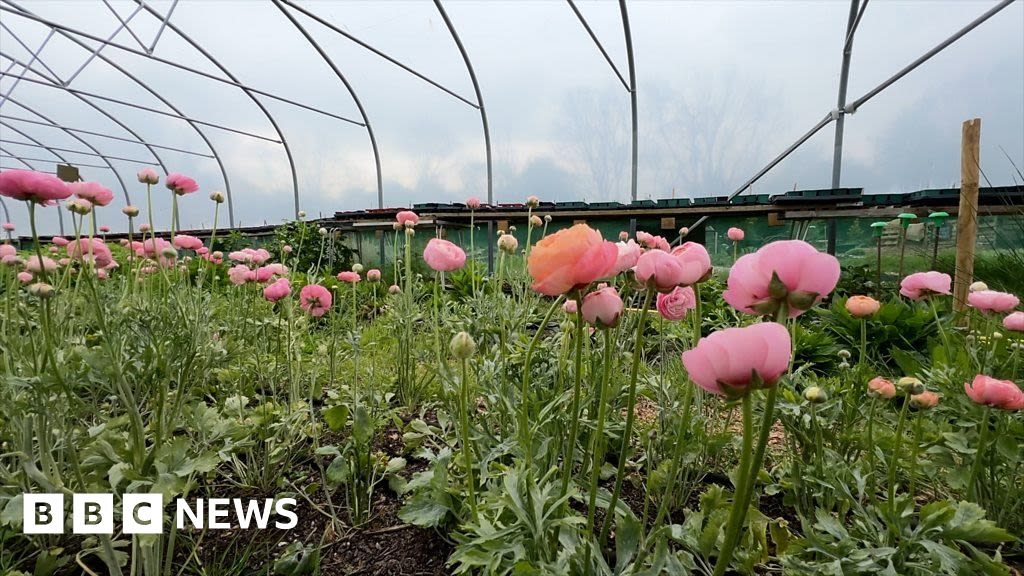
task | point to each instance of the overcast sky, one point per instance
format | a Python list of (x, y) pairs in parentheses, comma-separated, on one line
[(723, 87)]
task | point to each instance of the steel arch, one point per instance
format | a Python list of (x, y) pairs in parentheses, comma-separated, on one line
[(80, 139), (118, 67), (284, 142)]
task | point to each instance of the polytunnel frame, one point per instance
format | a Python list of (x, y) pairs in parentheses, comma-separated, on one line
[(857, 9)]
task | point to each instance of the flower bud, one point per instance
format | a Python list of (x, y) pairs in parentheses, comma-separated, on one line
[(322, 231), (462, 345), (41, 290), (169, 253), (815, 395), (910, 385), (217, 197), (302, 214), (357, 268), (684, 231), (623, 236), (394, 289), (130, 211), (978, 286), (410, 231), (533, 201), (79, 206), (547, 218), (844, 354)]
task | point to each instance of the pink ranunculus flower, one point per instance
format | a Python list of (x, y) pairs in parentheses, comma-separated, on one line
[(443, 256), (736, 234), (661, 270), (882, 387), (36, 265), (102, 274), (9, 226), (923, 284), (7, 250), (629, 253), (570, 258), (988, 391), (32, 186), (603, 307), (407, 218), (54, 249), (695, 260), (24, 277), (394, 289), (473, 203), (315, 299), (144, 228), (96, 193), (84, 250), (186, 242), (279, 289), (570, 307), (1014, 322), (373, 275), (652, 242), (148, 176), (250, 256), (992, 301), (240, 274), (59, 241), (104, 229), (790, 271), (287, 249), (730, 362), (348, 277), (675, 304), (180, 184), (63, 262)]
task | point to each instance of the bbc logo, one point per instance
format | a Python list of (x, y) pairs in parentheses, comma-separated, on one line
[(92, 513), (143, 513)]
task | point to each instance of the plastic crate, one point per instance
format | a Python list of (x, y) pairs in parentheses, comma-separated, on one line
[(643, 204), (710, 200), (673, 202)]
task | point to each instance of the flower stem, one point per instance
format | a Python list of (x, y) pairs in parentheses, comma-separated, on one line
[(979, 457), (627, 432), (467, 448), (597, 440), (892, 463), (739, 502)]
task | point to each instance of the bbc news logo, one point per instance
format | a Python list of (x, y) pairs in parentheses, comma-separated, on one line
[(143, 513)]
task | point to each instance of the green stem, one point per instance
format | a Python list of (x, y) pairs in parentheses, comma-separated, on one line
[(872, 486), (524, 398), (979, 457), (467, 448), (597, 440), (570, 449), (892, 464), (863, 340), (739, 503), (627, 432), (915, 448)]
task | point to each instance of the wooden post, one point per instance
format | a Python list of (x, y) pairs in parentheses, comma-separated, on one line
[(967, 216)]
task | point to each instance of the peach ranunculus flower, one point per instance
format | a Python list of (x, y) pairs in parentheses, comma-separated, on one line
[(733, 361), (925, 400), (992, 301), (993, 392), (570, 258), (790, 271), (862, 306), (882, 387), (923, 284)]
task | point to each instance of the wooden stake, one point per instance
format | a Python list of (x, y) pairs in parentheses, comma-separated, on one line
[(967, 216)]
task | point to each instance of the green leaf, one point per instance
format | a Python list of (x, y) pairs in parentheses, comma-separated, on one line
[(423, 511), (11, 514), (336, 417), (338, 471), (627, 537)]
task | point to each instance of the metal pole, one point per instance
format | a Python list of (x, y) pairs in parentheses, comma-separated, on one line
[(248, 92), (632, 105), (586, 26), (35, 56), (483, 119), (70, 151), (69, 32), (111, 136), (837, 152), (164, 24), (145, 108), (99, 109), (359, 105), (102, 45), (340, 31), (124, 23), (77, 164)]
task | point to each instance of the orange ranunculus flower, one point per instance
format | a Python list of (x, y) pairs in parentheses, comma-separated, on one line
[(568, 258), (862, 306)]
